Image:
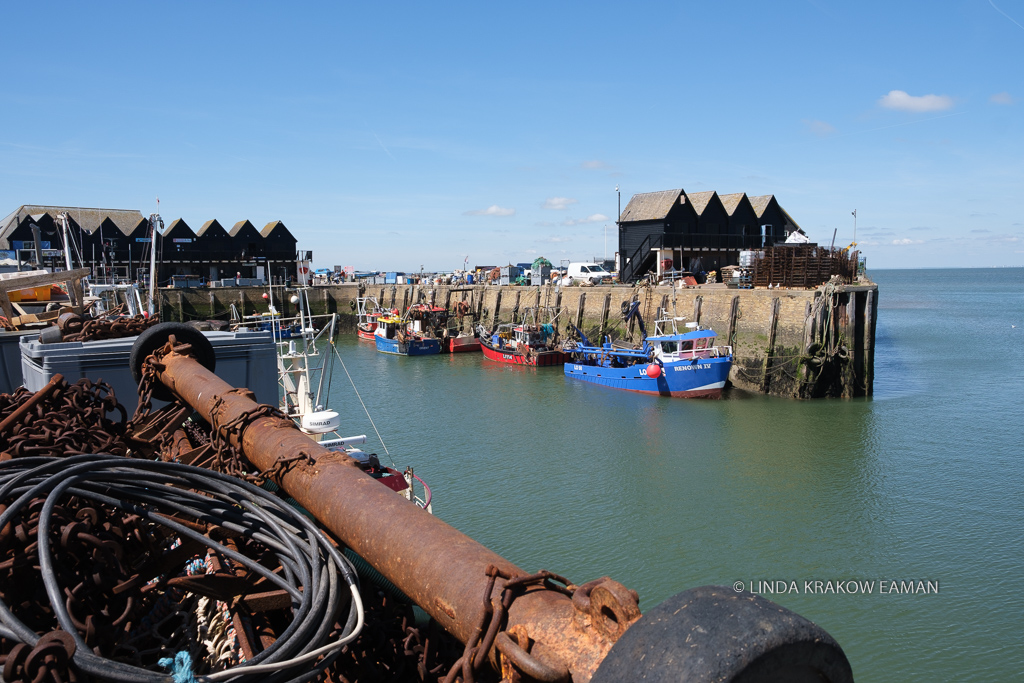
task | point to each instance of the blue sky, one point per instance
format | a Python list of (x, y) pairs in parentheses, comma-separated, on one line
[(395, 135)]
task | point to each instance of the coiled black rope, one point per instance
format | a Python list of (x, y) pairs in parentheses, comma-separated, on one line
[(310, 564)]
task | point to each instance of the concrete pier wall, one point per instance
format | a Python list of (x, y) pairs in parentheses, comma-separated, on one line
[(792, 343)]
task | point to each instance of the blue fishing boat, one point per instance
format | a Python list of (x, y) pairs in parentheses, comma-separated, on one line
[(668, 363), (394, 336)]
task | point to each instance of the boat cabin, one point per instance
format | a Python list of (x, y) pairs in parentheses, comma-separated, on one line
[(669, 344)]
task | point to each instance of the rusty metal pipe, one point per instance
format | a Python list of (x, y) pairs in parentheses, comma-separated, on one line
[(28, 405), (438, 567)]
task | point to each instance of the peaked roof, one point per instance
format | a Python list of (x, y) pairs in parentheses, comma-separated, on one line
[(274, 226), (88, 219), (650, 206), (240, 226), (700, 200), (180, 227), (760, 203), (214, 227), (732, 201)]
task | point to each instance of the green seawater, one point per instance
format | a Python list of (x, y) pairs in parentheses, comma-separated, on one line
[(922, 482)]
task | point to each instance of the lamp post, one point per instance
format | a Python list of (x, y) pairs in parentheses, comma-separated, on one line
[(618, 225), (855, 226)]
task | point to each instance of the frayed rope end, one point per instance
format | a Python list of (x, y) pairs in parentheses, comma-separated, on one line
[(181, 667)]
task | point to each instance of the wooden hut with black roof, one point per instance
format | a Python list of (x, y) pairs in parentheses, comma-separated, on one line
[(697, 231), (280, 248), (278, 242), (649, 222), (138, 241), (247, 245), (774, 222), (743, 221), (216, 250)]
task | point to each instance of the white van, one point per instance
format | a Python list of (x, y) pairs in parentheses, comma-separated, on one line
[(586, 272)]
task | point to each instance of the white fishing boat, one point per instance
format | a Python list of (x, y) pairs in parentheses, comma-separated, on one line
[(305, 370)]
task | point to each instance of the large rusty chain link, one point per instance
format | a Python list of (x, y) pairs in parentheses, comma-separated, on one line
[(490, 631)]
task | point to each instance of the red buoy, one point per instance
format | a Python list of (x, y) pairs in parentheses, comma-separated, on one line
[(654, 371), (264, 295)]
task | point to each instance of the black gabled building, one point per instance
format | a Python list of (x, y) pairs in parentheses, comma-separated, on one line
[(774, 222), (743, 220), (698, 231), (116, 244)]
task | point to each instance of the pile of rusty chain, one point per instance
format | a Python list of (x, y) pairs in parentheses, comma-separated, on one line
[(393, 648), (109, 327), (95, 545), (62, 419), (491, 630)]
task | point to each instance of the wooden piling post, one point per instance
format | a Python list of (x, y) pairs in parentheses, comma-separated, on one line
[(558, 306), (697, 302), (870, 315), (604, 313), (579, 309), (497, 307), (734, 308), (773, 323), (849, 333)]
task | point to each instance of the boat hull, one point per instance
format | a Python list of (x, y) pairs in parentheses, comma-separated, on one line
[(703, 378), (461, 344), (535, 359), (409, 347), (366, 331)]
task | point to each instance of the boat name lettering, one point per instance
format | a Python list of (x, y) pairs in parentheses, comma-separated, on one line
[(698, 366)]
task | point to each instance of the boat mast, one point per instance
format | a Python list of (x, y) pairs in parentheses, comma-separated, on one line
[(154, 218)]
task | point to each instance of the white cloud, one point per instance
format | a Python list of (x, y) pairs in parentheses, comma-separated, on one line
[(592, 218), (493, 210), (554, 240), (594, 164), (1002, 98), (559, 203), (819, 128), (904, 242), (898, 99)]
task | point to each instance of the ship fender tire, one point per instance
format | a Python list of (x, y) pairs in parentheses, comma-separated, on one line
[(714, 633), (155, 337)]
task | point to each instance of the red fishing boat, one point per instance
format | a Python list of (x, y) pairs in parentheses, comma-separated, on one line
[(526, 343), (368, 311), (460, 335)]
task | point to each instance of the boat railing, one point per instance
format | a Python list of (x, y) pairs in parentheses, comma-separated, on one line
[(424, 501)]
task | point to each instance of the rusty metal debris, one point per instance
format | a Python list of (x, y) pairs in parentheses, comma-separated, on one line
[(99, 547), (62, 419), (87, 581), (448, 572)]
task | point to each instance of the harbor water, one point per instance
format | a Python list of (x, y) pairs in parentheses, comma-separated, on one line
[(831, 508)]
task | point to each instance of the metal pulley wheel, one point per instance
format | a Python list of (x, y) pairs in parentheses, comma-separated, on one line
[(158, 335)]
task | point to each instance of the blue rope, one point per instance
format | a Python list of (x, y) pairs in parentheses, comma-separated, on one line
[(181, 667)]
